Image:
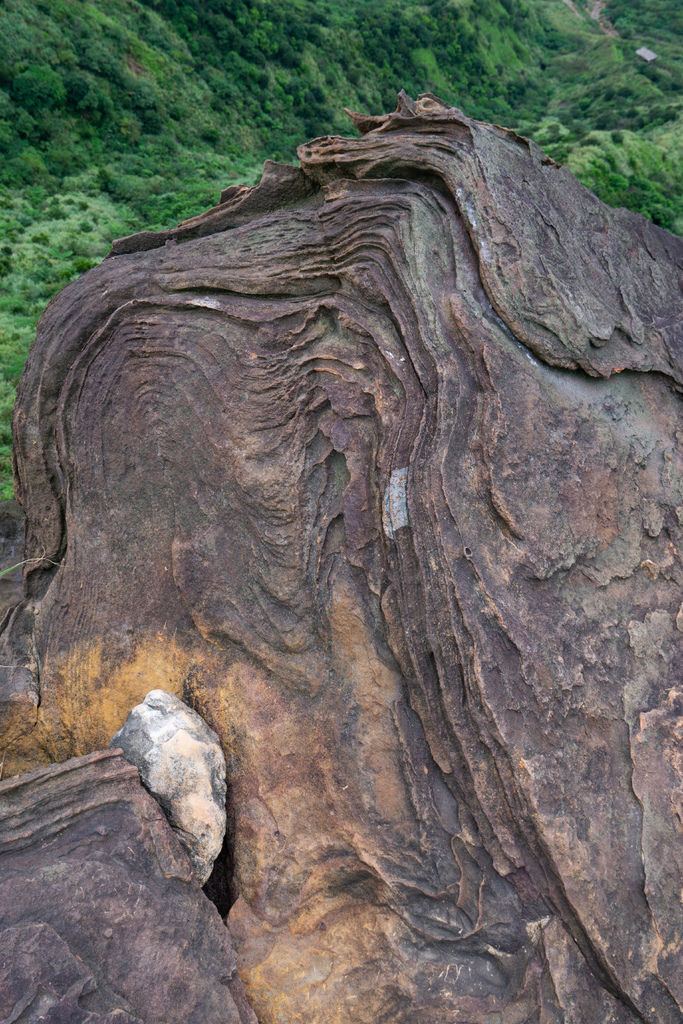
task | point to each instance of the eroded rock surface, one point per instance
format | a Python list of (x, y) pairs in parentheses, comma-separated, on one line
[(101, 921), (182, 765), (377, 466), (11, 547)]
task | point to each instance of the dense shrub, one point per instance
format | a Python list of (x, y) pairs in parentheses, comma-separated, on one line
[(38, 88)]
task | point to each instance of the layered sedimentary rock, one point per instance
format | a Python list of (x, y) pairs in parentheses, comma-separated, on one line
[(11, 546), (101, 921), (375, 465)]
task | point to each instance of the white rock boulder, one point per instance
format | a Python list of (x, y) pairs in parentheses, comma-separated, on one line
[(181, 763)]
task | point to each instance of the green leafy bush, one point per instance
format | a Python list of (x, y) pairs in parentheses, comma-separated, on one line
[(38, 88)]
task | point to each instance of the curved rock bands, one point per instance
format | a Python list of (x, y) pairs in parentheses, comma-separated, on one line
[(350, 465), (99, 920)]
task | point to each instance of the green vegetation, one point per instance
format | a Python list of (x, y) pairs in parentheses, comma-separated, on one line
[(135, 113)]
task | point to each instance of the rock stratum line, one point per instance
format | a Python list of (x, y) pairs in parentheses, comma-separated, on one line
[(376, 466)]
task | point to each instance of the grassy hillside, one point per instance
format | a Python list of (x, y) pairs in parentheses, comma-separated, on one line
[(128, 113)]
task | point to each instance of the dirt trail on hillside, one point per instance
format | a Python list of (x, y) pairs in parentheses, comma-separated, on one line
[(595, 13)]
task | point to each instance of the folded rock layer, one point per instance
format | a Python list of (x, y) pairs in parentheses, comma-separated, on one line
[(100, 919), (375, 465)]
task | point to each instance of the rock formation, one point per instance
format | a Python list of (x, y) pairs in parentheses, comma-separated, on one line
[(11, 546), (100, 919), (182, 765), (375, 465)]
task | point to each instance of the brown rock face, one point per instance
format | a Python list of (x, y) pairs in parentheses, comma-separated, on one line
[(100, 921), (11, 546), (376, 466)]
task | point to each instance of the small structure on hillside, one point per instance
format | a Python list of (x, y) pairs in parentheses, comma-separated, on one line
[(647, 55)]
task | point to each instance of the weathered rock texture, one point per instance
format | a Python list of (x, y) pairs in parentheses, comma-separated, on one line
[(376, 466), (11, 547), (182, 765), (100, 919)]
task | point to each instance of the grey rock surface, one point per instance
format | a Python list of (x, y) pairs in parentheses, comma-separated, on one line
[(181, 763)]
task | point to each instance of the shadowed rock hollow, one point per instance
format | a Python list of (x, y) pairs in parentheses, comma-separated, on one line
[(376, 466)]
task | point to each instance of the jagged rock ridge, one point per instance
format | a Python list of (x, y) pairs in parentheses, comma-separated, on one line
[(375, 465)]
